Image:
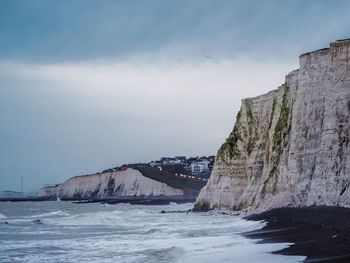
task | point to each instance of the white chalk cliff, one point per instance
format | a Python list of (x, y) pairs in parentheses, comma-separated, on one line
[(129, 182), (290, 147)]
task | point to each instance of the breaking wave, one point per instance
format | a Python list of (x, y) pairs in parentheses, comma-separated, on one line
[(124, 233), (50, 214), (86, 219)]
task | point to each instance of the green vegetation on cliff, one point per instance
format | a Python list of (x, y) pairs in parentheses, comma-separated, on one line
[(202, 206), (281, 129), (230, 146), (279, 138), (251, 132), (245, 131)]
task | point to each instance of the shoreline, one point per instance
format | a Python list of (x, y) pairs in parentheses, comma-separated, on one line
[(322, 234), (150, 200)]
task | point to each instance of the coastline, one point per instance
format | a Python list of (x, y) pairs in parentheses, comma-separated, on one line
[(143, 200), (322, 234)]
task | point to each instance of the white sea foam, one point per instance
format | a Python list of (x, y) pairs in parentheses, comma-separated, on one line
[(86, 219), (50, 214), (2, 216), (126, 233)]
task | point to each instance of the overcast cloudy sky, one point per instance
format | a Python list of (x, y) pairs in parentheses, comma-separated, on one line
[(88, 85)]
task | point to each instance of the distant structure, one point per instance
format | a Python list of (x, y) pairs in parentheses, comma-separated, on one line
[(195, 167), (200, 166), (12, 194), (168, 160), (180, 158)]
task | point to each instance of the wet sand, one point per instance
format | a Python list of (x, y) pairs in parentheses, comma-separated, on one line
[(322, 234)]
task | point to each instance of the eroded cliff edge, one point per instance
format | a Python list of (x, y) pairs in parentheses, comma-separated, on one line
[(289, 147), (125, 183)]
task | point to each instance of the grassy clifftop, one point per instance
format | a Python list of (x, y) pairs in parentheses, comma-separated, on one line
[(171, 179)]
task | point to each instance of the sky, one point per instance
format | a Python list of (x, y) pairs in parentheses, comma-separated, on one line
[(89, 85)]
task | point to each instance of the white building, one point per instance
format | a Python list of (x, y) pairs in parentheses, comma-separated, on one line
[(167, 160), (200, 166)]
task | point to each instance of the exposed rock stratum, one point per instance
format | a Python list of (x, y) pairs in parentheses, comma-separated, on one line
[(289, 147), (126, 183)]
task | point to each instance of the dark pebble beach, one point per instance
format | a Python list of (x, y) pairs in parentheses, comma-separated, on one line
[(322, 234)]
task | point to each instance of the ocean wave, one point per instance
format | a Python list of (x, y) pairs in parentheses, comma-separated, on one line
[(152, 231), (2, 216), (86, 219), (50, 214), (125, 233), (172, 254)]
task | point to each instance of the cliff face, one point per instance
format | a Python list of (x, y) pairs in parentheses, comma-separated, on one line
[(290, 147), (125, 183)]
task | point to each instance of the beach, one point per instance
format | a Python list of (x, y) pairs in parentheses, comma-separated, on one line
[(322, 234)]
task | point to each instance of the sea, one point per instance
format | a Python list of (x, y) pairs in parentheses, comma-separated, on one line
[(67, 232)]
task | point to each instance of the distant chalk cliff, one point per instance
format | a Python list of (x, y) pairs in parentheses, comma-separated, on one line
[(289, 147), (126, 183)]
